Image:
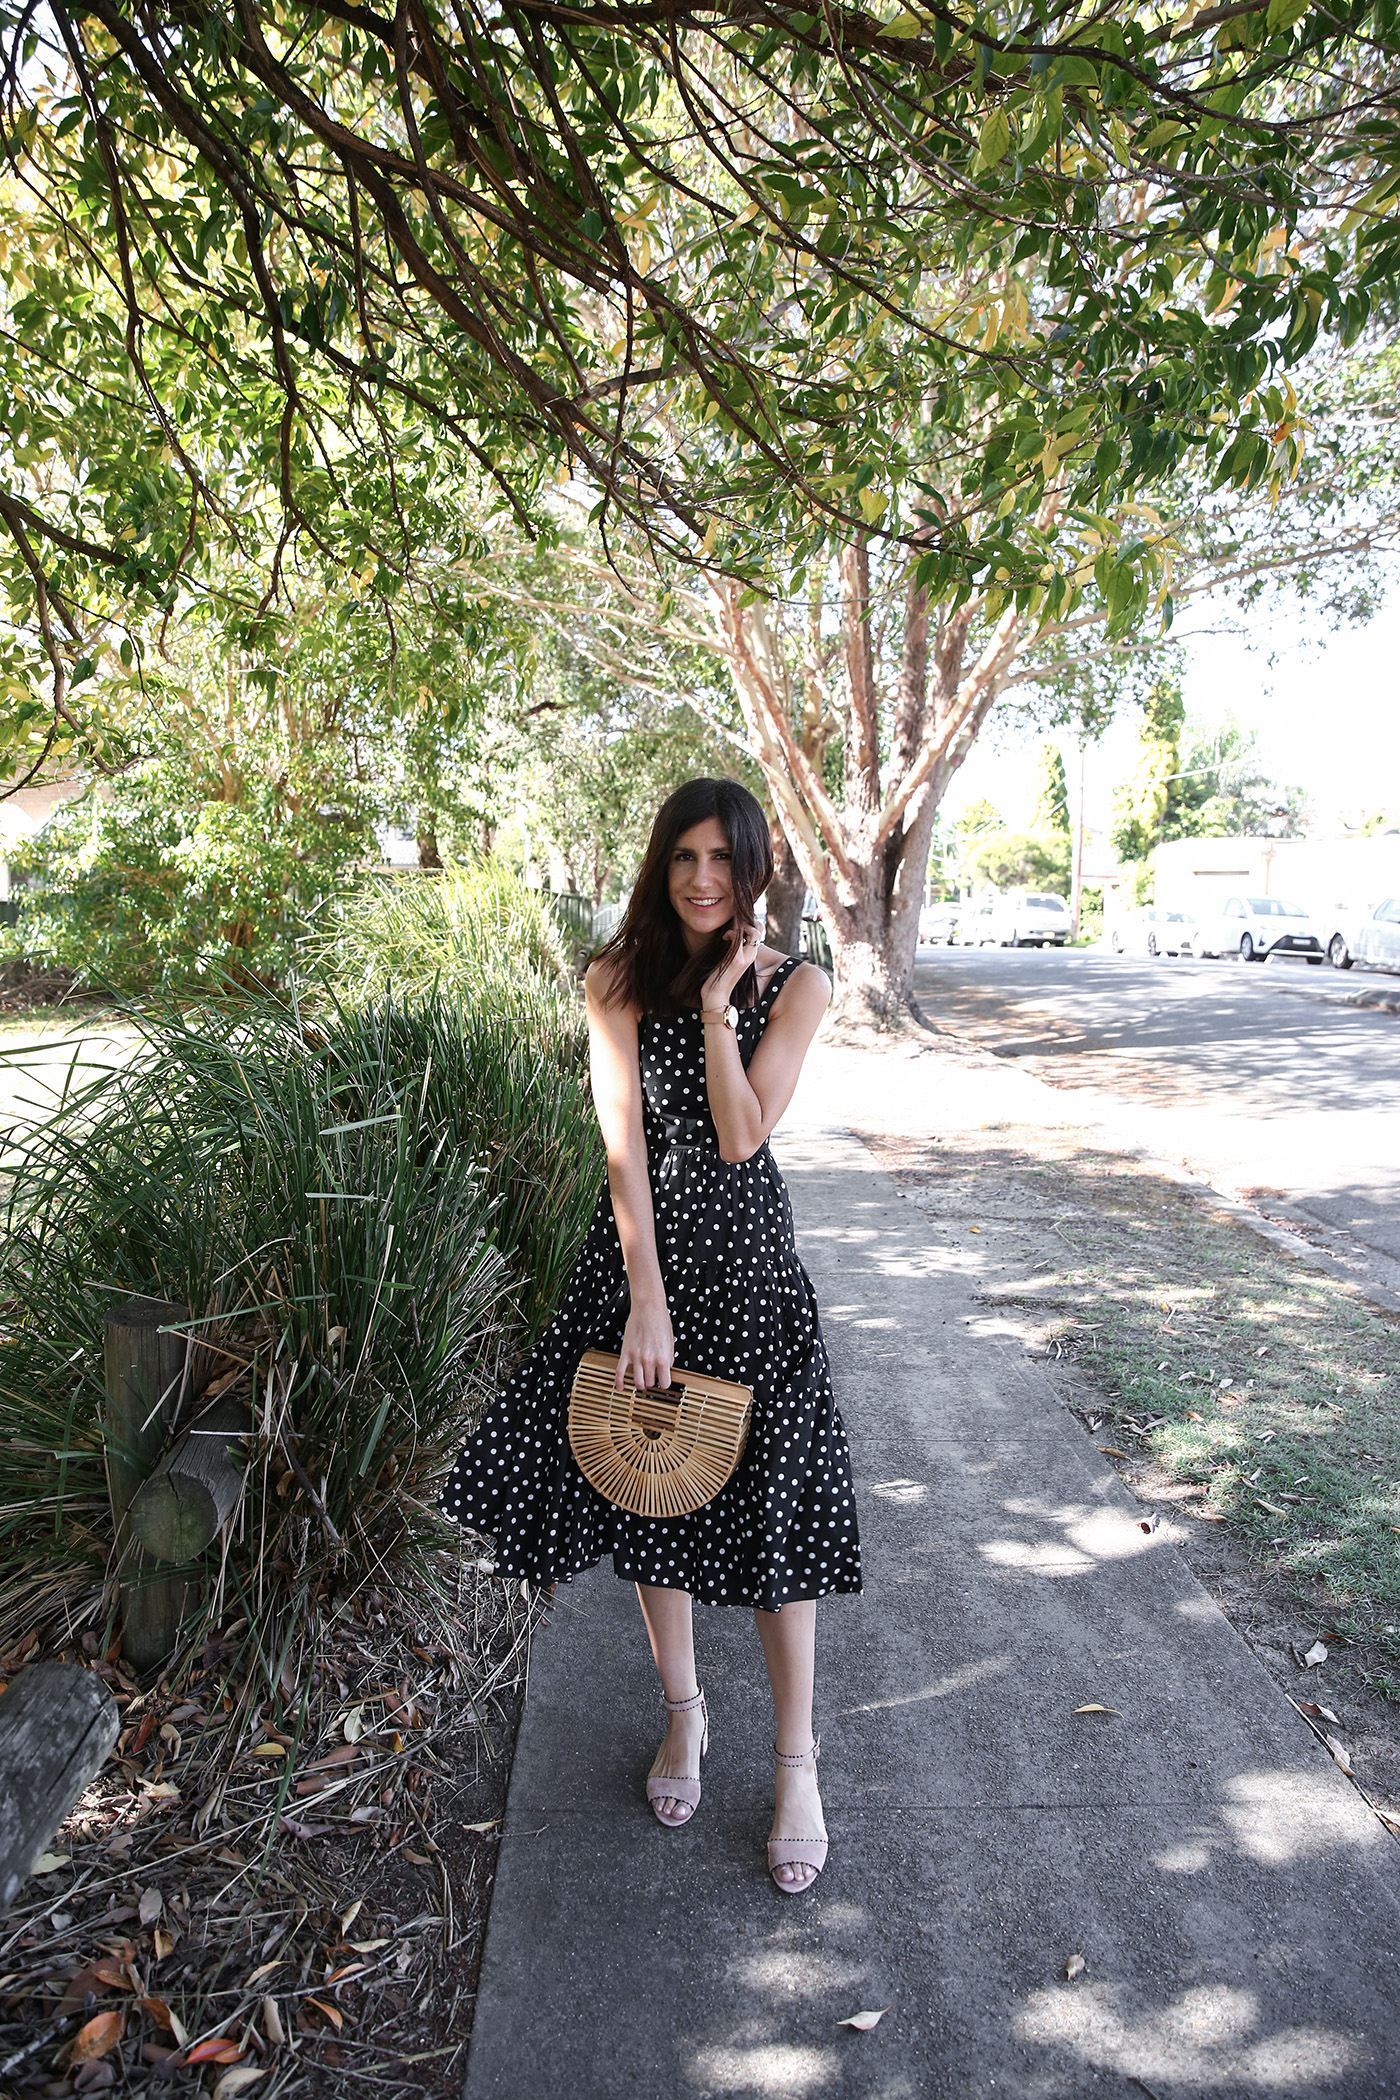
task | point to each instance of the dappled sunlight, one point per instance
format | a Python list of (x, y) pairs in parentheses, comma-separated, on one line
[(768, 2070), (1279, 1818), (1276, 1819), (1209, 2034), (1088, 1537), (956, 1681), (795, 1969)]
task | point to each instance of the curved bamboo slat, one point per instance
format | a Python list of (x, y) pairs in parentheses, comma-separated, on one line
[(656, 1454)]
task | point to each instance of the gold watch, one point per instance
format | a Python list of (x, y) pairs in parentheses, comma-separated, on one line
[(725, 1016)]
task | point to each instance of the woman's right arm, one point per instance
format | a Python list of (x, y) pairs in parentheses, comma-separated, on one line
[(615, 1070)]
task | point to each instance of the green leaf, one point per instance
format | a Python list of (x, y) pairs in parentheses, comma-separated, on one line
[(994, 139), (1284, 13)]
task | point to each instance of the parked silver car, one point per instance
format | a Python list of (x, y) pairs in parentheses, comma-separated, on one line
[(1378, 938), (1254, 928)]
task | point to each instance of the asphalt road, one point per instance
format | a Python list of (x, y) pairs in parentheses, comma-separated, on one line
[(1253, 1076)]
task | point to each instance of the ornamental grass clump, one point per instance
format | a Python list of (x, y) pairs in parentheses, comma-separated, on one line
[(368, 1211), (476, 929)]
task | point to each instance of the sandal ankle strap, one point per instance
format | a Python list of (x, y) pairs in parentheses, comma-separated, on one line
[(798, 1763), (683, 1706)]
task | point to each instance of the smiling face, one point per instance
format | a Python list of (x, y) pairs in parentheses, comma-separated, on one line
[(701, 881)]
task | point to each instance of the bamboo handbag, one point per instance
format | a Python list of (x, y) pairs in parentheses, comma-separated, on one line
[(658, 1454)]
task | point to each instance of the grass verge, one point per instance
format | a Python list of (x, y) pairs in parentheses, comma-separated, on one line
[(1220, 1373)]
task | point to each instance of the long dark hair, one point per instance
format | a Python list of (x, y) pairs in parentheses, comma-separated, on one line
[(652, 969)]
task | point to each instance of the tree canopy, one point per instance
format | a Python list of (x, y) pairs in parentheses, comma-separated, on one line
[(301, 292)]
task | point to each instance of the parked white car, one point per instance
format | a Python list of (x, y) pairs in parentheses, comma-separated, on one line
[(938, 923), (1149, 931), (1254, 928), (1024, 919)]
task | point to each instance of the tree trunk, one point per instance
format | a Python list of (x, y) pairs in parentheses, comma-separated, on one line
[(786, 894), (429, 859)]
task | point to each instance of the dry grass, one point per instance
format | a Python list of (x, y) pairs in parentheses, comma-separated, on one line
[(303, 1900)]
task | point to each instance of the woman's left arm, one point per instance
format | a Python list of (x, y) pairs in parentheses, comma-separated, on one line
[(747, 1105)]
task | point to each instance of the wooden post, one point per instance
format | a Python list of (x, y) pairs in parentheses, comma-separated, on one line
[(57, 1724), (145, 1372), (193, 1491)]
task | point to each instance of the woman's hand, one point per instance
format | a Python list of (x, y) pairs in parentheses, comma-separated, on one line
[(648, 1348), (741, 954)]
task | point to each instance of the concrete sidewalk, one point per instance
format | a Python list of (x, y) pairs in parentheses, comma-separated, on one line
[(1234, 1899)]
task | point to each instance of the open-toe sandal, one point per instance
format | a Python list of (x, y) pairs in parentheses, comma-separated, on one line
[(687, 1791), (797, 1852)]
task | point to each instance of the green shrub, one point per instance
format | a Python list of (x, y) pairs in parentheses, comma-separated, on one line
[(1021, 860), (470, 929), (161, 885), (367, 1210)]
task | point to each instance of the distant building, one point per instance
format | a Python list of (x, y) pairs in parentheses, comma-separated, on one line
[(1338, 874), (21, 815)]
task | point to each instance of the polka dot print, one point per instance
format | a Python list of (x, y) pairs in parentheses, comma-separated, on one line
[(783, 1527)]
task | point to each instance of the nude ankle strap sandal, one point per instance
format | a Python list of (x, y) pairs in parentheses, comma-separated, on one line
[(797, 1852), (687, 1791)]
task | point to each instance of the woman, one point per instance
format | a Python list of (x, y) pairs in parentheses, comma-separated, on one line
[(697, 1035)]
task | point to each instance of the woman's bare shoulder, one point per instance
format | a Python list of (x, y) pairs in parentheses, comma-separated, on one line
[(806, 987), (602, 984)]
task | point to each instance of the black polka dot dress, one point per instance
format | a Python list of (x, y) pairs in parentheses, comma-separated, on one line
[(783, 1527)]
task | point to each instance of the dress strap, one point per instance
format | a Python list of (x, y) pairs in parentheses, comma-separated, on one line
[(779, 979)]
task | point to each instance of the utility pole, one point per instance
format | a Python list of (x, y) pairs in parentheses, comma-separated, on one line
[(1078, 883)]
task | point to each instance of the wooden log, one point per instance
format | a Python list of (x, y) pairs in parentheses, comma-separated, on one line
[(145, 1373), (195, 1488), (57, 1724)]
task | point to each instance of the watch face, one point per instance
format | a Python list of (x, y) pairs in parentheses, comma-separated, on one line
[(731, 1017)]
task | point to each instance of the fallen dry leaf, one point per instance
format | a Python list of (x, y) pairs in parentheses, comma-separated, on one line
[(1315, 1655), (350, 1968), (367, 1946), (1340, 1753), (343, 1754), (163, 1790), (165, 1943), (50, 1862), (272, 2022), (332, 2012), (350, 1916), (264, 1969), (96, 2037), (234, 2081), (1112, 1451), (1390, 1817), (1274, 1511), (269, 1750), (420, 1859), (864, 2021), (1320, 1713), (1075, 1966), (354, 1724), (116, 1974), (1097, 1710), (494, 1824), (156, 2009), (218, 2049), (79, 1984), (150, 1907)]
